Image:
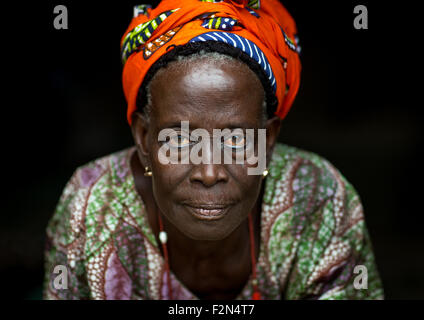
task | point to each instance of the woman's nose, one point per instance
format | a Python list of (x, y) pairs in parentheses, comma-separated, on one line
[(208, 174), (208, 170)]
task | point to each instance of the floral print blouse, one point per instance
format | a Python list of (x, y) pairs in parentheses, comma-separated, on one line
[(314, 240)]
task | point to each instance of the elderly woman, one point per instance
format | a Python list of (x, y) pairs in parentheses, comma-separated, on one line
[(134, 225)]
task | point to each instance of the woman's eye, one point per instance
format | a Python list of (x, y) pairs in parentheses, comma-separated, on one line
[(178, 141), (235, 142)]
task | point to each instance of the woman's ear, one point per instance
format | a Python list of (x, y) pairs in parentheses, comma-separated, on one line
[(273, 126), (140, 130)]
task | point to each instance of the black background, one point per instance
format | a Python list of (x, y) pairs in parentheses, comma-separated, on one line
[(63, 106)]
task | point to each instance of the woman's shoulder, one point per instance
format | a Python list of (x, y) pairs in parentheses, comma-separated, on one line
[(93, 199), (98, 219), (287, 154), (113, 166), (315, 228), (304, 181), (300, 184), (305, 194), (306, 168)]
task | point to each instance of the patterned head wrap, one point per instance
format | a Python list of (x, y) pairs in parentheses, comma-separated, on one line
[(264, 30)]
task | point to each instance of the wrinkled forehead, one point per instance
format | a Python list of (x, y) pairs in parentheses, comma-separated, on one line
[(207, 91)]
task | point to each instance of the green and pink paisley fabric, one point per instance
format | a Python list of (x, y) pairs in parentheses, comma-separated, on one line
[(313, 234)]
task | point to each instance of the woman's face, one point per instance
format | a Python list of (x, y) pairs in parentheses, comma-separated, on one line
[(203, 201)]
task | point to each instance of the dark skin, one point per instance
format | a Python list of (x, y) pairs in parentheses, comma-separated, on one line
[(211, 258)]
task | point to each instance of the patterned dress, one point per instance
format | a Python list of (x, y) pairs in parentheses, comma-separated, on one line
[(314, 241)]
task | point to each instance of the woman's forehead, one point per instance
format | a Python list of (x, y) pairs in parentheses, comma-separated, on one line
[(207, 89), (205, 76), (212, 70)]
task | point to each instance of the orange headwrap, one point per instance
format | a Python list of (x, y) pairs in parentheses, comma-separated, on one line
[(264, 29)]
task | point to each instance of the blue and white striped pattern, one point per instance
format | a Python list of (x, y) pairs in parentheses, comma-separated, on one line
[(253, 12), (244, 45)]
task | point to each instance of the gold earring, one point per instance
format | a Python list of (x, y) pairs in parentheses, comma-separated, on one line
[(265, 173), (147, 172)]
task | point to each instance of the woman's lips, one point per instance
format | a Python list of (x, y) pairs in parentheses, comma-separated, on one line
[(208, 211)]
